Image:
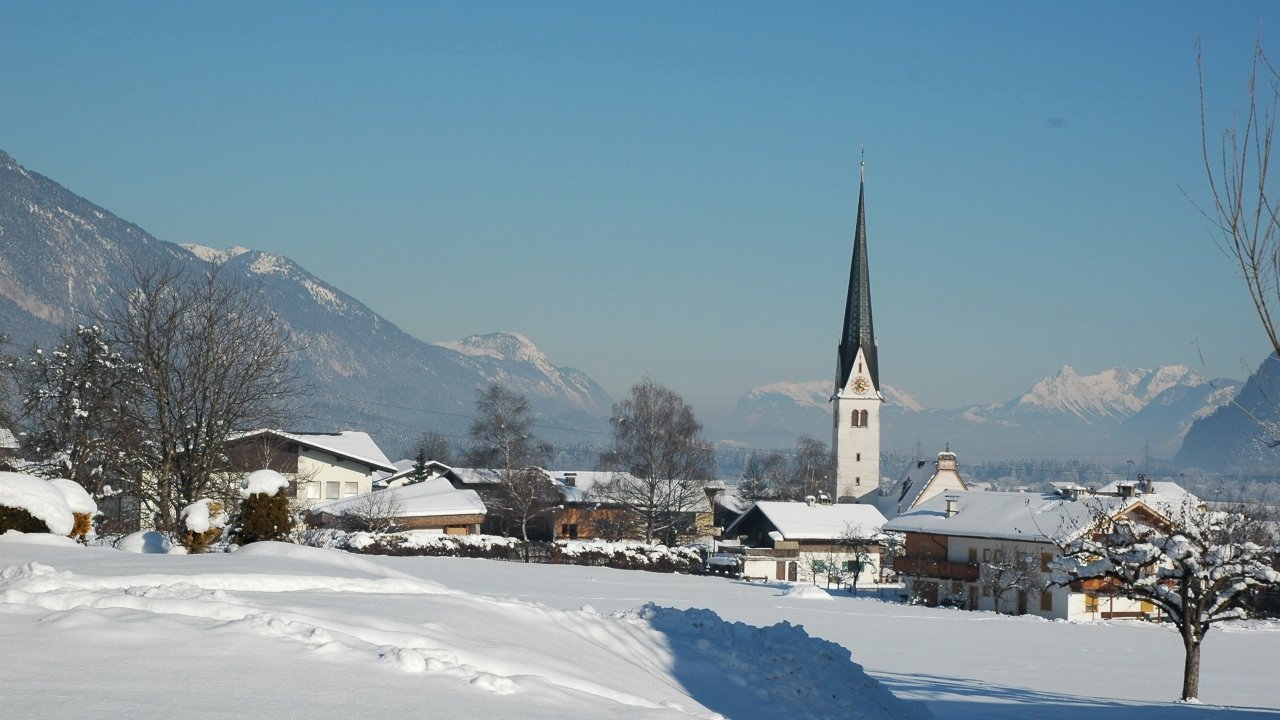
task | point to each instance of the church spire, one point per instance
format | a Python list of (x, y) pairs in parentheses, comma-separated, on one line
[(858, 333)]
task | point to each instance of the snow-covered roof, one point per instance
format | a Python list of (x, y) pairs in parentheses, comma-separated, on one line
[(1030, 517), (429, 498), (911, 486), (351, 444), (802, 521), (7, 440)]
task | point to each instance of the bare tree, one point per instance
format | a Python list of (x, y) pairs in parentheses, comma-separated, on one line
[(860, 547), (754, 484), (503, 440), (375, 512), (73, 409), (660, 461), (812, 471), (1200, 567), (210, 359), (434, 446), (1010, 569), (1244, 200)]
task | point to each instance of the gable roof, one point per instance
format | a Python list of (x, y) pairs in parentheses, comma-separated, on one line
[(802, 521), (1027, 517), (350, 444), (429, 498)]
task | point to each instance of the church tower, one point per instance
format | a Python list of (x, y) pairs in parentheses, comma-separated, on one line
[(856, 403)]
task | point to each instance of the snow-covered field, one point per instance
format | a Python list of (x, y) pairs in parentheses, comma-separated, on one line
[(281, 631)]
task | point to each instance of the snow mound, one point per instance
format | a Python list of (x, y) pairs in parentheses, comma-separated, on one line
[(14, 536), (43, 500), (775, 671), (267, 482), (146, 542), (805, 591)]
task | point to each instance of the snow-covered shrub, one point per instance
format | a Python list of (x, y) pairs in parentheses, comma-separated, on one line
[(627, 555), (83, 508), (264, 512), (29, 504), (203, 522)]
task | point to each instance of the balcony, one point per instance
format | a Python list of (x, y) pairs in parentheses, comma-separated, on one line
[(940, 569)]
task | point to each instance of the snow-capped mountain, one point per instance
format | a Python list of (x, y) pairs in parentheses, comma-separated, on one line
[(1119, 410), (62, 257)]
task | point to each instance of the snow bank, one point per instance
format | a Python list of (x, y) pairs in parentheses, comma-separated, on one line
[(267, 482), (147, 542), (805, 591), (198, 519), (741, 670), (13, 536), (40, 498), (77, 498)]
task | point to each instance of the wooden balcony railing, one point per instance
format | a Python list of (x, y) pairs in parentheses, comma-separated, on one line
[(941, 569)]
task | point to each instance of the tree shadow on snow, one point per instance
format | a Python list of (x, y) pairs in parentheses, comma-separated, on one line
[(960, 698)]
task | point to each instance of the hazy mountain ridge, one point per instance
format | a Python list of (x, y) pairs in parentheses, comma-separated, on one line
[(61, 256), (1238, 435), (1116, 410)]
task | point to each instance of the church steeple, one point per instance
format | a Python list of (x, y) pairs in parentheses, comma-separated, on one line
[(858, 333)]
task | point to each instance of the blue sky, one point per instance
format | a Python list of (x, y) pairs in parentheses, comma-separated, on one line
[(670, 187)]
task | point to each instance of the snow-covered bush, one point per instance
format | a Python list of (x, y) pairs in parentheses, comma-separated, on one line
[(620, 555), (203, 522), (264, 512), (29, 504), (83, 508)]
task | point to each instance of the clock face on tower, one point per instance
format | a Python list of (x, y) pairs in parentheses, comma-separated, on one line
[(860, 384)]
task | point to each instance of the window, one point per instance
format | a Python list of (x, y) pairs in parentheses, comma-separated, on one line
[(331, 490), (999, 555), (864, 419), (351, 488), (973, 555), (1046, 601), (986, 591), (1046, 559), (859, 458), (854, 419), (569, 530), (857, 481), (986, 554), (1091, 603)]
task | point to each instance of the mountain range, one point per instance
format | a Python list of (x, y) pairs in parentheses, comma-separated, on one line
[(62, 258), (1116, 412)]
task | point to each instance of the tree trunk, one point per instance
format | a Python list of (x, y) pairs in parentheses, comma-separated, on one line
[(1191, 665)]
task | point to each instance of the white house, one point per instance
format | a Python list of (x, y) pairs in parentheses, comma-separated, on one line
[(966, 548), (789, 540), (923, 480), (433, 505), (320, 466)]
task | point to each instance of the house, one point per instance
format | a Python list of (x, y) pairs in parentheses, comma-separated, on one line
[(585, 512), (9, 445), (922, 480), (320, 466), (433, 505), (785, 540), (995, 550)]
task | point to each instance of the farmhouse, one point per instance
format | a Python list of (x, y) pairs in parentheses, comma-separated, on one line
[(922, 480), (785, 540), (995, 550)]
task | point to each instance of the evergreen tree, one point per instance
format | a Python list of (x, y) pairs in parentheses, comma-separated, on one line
[(263, 517)]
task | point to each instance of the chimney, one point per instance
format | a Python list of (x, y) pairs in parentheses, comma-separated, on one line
[(1125, 490), (571, 479), (953, 505)]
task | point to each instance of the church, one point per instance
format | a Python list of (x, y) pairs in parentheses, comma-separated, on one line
[(856, 402)]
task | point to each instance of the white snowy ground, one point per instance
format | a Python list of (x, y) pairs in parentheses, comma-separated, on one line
[(281, 631)]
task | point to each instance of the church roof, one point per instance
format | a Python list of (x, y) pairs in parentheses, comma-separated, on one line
[(857, 332)]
